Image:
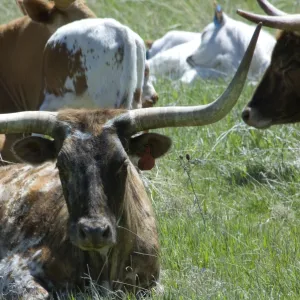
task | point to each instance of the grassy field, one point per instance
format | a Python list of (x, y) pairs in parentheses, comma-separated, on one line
[(228, 216)]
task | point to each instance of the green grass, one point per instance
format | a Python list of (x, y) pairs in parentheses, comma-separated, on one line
[(228, 217)]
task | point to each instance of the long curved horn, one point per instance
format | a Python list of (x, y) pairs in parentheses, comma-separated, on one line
[(43, 122), (286, 22), (270, 9), (159, 117), (63, 4)]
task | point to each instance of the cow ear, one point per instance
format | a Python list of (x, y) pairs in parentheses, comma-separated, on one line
[(158, 144), (147, 147), (39, 10), (34, 149)]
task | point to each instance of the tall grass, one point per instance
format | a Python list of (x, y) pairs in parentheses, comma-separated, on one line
[(226, 196)]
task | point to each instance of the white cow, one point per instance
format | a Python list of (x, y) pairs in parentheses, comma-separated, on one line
[(171, 39), (215, 54), (96, 63), (223, 44), (172, 64)]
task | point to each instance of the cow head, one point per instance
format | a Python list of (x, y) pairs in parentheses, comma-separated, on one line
[(100, 184), (55, 14), (209, 49), (277, 96), (94, 169)]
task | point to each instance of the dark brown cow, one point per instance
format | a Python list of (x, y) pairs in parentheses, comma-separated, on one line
[(277, 97), (21, 51), (88, 212)]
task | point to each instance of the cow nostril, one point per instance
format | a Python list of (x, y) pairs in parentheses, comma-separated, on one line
[(83, 230), (106, 232), (154, 98), (189, 60), (246, 114)]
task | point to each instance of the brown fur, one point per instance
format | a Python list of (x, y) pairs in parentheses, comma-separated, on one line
[(64, 67), (149, 43)]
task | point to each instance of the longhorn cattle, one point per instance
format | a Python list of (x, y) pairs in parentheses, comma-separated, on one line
[(277, 96), (223, 43), (96, 63), (215, 54), (22, 42), (87, 212)]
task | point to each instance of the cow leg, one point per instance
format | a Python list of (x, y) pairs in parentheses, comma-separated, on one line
[(17, 281)]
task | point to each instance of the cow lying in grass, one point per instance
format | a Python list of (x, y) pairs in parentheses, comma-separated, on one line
[(87, 212), (215, 54), (223, 43)]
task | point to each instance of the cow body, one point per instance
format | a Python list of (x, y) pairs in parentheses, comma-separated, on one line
[(22, 42), (171, 39), (172, 62), (41, 247), (94, 63)]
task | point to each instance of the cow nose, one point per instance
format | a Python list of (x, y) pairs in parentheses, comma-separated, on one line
[(246, 114), (95, 234), (154, 98)]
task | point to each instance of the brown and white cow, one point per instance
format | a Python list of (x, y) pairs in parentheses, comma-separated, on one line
[(21, 52), (87, 212), (96, 63), (277, 97)]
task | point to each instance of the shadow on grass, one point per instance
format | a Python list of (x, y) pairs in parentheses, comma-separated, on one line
[(258, 173)]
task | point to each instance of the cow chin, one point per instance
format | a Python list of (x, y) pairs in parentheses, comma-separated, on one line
[(93, 235)]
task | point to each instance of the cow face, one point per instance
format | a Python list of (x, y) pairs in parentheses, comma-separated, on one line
[(277, 97), (95, 173), (55, 14)]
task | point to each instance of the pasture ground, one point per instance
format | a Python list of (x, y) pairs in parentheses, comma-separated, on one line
[(228, 217)]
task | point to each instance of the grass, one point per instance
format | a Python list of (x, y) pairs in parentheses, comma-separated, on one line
[(228, 216)]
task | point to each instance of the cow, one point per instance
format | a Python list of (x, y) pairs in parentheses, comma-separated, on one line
[(277, 96), (22, 42), (96, 63), (223, 43), (86, 210)]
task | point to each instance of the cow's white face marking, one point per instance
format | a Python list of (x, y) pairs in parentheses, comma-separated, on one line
[(81, 135)]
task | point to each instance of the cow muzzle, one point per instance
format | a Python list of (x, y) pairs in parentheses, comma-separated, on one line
[(149, 102), (94, 234), (252, 117)]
